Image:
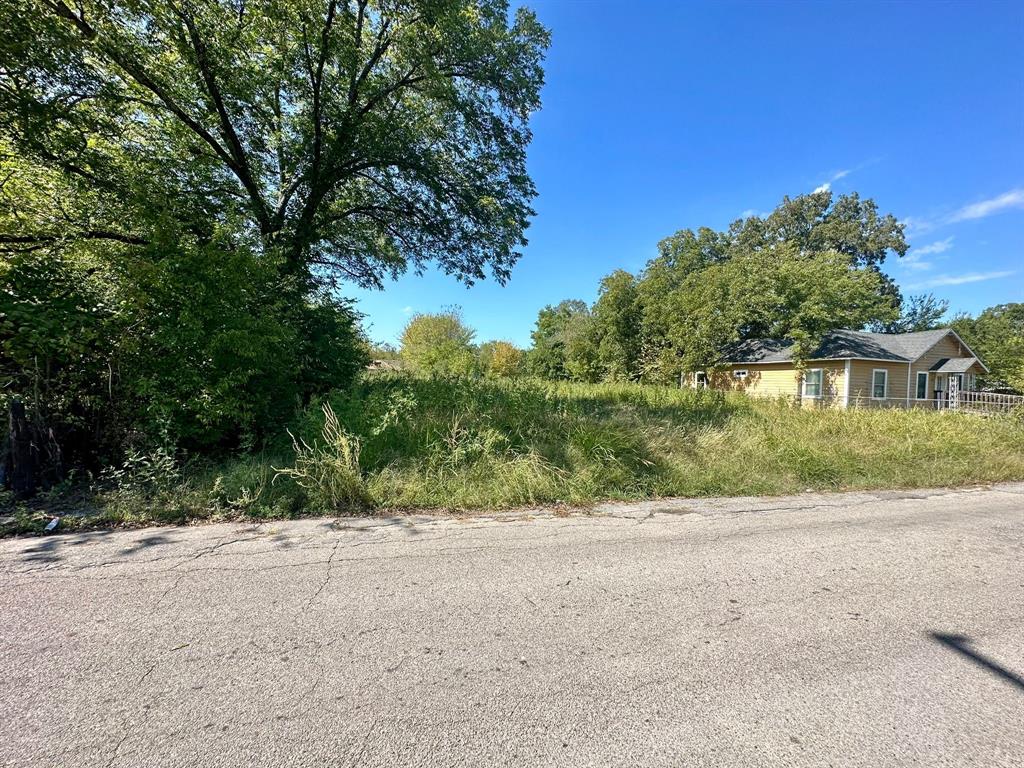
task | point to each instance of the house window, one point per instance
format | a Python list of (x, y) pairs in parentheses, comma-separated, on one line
[(879, 384), (922, 385), (701, 380), (812, 383), (739, 373)]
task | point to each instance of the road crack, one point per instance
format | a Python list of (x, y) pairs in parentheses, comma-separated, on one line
[(327, 577)]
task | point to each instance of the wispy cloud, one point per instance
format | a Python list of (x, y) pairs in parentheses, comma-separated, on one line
[(913, 261), (1012, 199), (406, 310), (1008, 200), (833, 178), (939, 246), (918, 225), (970, 277)]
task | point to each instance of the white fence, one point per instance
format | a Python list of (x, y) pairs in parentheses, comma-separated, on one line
[(983, 402)]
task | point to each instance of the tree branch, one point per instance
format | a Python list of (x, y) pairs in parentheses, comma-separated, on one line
[(243, 170), (88, 234), (141, 77)]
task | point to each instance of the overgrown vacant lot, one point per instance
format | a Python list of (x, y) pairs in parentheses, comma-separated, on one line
[(400, 442)]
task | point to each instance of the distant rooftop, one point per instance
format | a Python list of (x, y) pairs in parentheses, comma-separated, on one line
[(838, 345)]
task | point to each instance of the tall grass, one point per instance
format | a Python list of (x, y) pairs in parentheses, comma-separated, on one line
[(440, 443), (397, 441)]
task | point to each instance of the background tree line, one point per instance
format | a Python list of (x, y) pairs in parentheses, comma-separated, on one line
[(184, 186), (810, 266)]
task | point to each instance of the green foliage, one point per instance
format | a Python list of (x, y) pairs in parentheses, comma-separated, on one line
[(807, 268), (817, 223), (500, 359), (351, 138), (923, 312), (196, 345), (997, 334), (562, 342), (58, 329), (183, 186), (397, 441), (617, 323), (439, 344), (328, 470)]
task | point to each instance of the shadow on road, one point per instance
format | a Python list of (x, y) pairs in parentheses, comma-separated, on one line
[(961, 644)]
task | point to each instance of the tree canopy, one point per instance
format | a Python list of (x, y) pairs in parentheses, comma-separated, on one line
[(561, 342), (923, 312), (500, 359), (351, 138), (810, 266)]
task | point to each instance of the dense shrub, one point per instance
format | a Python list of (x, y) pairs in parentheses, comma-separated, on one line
[(192, 348)]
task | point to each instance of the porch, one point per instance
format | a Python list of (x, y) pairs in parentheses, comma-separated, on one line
[(951, 384)]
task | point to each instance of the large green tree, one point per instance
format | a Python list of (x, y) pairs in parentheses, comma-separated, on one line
[(680, 256), (790, 257), (819, 222), (997, 334), (351, 138), (923, 312), (811, 265), (780, 292), (183, 184)]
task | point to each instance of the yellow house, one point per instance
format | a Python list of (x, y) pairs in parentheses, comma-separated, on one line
[(903, 370)]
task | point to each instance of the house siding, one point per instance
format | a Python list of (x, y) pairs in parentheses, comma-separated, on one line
[(780, 380), (947, 347), (861, 373)]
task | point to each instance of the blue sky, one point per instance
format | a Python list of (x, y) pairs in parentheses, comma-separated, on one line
[(664, 116)]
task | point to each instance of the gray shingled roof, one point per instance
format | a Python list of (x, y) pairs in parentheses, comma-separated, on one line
[(953, 364), (899, 347)]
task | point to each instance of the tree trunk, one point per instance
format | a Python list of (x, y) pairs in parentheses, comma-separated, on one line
[(22, 461)]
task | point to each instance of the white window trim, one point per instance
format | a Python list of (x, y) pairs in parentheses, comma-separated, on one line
[(917, 377), (740, 373), (885, 389), (821, 387)]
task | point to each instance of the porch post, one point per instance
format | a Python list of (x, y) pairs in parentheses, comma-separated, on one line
[(846, 385)]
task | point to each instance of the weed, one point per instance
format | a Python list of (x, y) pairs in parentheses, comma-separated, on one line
[(412, 442), (329, 471)]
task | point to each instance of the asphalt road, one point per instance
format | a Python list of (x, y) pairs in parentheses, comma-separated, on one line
[(852, 630)]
